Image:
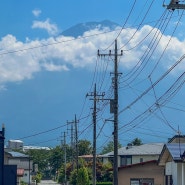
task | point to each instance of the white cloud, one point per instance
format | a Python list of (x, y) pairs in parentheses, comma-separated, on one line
[(79, 53), (36, 12), (52, 29), (53, 67)]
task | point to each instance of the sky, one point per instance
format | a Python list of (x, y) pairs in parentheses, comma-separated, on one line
[(45, 76)]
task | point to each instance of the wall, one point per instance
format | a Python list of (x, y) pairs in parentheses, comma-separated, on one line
[(148, 170), (136, 159)]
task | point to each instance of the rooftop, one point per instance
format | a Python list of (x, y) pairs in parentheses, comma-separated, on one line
[(144, 149), (17, 154)]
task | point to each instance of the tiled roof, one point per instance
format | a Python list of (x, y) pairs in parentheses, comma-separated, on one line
[(17, 154), (138, 164), (144, 149)]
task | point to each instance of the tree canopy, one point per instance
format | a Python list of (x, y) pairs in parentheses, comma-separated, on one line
[(136, 142), (84, 147), (109, 147)]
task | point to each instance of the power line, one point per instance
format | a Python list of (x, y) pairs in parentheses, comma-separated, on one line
[(73, 39), (43, 132)]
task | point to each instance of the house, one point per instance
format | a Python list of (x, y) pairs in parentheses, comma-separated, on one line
[(149, 164), (173, 159), (144, 173), (23, 163), (137, 165), (135, 154)]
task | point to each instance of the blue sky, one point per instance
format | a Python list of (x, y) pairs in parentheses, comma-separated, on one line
[(44, 86)]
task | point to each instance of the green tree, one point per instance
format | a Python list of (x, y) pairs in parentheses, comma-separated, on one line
[(40, 157), (37, 177), (84, 147), (56, 158), (73, 177), (61, 177), (83, 176), (136, 142), (109, 147)]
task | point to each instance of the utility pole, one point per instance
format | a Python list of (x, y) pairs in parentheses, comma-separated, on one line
[(63, 144), (65, 180), (76, 142), (95, 99), (2, 134), (72, 142), (115, 110)]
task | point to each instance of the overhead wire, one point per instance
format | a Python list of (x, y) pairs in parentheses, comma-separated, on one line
[(138, 25), (167, 44), (174, 88), (143, 61), (57, 127), (129, 14), (154, 84), (6, 52)]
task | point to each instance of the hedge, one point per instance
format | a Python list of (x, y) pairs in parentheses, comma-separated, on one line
[(104, 183)]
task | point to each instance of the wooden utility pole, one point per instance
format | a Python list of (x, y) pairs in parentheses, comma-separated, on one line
[(96, 97), (115, 110)]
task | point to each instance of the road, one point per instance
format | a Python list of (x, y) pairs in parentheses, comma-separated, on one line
[(48, 182)]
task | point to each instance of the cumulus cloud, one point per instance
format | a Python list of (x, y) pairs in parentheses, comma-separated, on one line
[(52, 29), (22, 59), (53, 67), (36, 12)]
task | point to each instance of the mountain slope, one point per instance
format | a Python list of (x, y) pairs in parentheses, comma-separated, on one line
[(80, 28)]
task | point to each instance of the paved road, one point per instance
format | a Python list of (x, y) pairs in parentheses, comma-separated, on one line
[(48, 182)]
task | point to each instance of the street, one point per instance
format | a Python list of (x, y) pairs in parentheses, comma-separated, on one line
[(48, 182)]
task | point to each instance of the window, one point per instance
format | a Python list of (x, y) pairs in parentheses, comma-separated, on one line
[(126, 160), (144, 181), (141, 160)]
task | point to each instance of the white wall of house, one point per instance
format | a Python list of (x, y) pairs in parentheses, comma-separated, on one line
[(105, 159), (26, 176), (143, 158), (180, 174), (177, 170)]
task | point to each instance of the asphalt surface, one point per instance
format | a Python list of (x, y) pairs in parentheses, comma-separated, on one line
[(48, 182)]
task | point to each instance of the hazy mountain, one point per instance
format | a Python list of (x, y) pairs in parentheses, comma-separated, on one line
[(80, 28)]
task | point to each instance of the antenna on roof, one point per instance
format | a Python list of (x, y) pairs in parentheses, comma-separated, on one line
[(181, 155)]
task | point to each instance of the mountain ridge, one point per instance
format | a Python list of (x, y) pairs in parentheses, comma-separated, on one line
[(80, 28)]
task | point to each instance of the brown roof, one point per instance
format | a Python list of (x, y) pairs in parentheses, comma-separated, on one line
[(138, 164)]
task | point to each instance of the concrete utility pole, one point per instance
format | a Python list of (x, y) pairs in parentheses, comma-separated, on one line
[(2, 134), (63, 144), (65, 179), (74, 141), (115, 110), (95, 99)]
